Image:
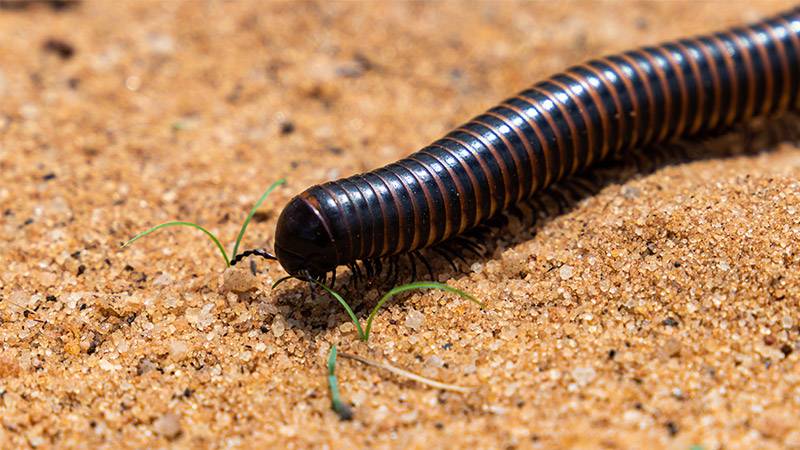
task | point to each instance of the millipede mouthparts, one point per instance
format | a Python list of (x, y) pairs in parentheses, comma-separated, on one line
[(558, 127)]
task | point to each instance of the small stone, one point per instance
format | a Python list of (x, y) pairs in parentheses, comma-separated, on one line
[(178, 350), (168, 425), (414, 319), (508, 333), (583, 375), (47, 279), (239, 280), (163, 280), (671, 348), (630, 192), (565, 272), (169, 196), (278, 326), (161, 44), (72, 347), (201, 318), (670, 322), (73, 299), (145, 365), (435, 361), (105, 365)]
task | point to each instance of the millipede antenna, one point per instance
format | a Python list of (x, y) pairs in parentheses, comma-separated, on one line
[(254, 252)]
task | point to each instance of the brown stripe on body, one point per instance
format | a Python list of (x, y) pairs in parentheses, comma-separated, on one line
[(586, 120), (486, 172), (527, 144), (648, 90), (550, 153), (501, 163), (448, 223), (432, 214), (636, 109), (701, 93), (666, 94), (766, 64), (573, 130), (475, 188), (401, 234), (621, 122), (733, 79), (602, 112), (742, 47), (521, 192), (716, 113), (680, 128), (786, 76), (373, 251)]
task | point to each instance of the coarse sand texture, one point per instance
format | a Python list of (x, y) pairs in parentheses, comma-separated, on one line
[(661, 312)]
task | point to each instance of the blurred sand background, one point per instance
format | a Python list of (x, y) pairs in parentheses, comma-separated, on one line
[(660, 313)]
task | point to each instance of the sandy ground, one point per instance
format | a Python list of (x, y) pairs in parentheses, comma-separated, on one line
[(662, 312)]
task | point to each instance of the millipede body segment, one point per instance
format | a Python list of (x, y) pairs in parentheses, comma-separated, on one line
[(554, 129)]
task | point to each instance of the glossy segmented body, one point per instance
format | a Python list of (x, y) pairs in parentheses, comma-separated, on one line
[(554, 129)]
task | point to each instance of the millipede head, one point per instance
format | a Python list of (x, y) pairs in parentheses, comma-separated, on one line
[(304, 243)]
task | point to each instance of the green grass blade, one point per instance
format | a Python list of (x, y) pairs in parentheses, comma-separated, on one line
[(253, 212), (332, 361), (342, 410), (182, 224), (412, 286), (347, 308)]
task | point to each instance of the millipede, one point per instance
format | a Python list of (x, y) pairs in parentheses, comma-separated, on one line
[(557, 128)]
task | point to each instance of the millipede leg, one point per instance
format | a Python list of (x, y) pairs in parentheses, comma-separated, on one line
[(359, 274), (395, 270), (517, 213), (368, 268), (469, 246), (427, 265), (413, 264), (444, 256), (561, 202), (453, 253), (313, 288), (355, 274)]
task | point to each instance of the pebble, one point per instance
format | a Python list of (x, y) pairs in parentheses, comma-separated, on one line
[(583, 375), (278, 326), (105, 365), (239, 279), (161, 44), (414, 319), (178, 350), (508, 333), (434, 361), (630, 192), (168, 425), (637, 252)]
